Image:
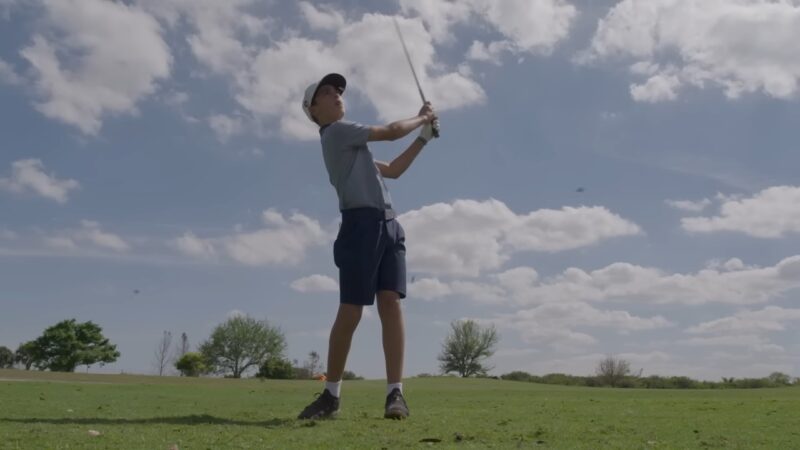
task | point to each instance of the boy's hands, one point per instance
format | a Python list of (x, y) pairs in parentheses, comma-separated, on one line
[(426, 132), (427, 112)]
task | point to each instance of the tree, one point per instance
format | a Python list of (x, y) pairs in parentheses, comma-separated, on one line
[(466, 346), (161, 356), (276, 368), (192, 364), (348, 375), (312, 363), (25, 354), (240, 343), (611, 371), (6, 358), (780, 379), (68, 344), (184, 346)]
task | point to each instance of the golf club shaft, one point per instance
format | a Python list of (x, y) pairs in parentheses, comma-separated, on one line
[(435, 124)]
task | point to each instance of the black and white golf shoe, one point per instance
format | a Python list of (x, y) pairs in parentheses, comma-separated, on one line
[(326, 406), (396, 407)]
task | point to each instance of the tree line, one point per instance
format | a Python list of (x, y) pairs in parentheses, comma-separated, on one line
[(243, 345)]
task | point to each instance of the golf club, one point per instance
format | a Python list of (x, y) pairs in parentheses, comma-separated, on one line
[(414, 72)]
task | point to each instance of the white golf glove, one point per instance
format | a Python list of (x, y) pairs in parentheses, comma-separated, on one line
[(426, 133)]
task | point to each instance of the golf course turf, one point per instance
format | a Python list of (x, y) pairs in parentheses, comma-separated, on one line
[(43, 410)]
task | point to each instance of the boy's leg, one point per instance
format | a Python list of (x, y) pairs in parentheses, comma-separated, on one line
[(327, 404), (341, 336), (393, 349), (393, 334)]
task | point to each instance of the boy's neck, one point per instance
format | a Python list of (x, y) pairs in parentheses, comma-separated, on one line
[(323, 124)]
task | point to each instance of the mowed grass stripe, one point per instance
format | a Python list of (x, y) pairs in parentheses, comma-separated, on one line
[(57, 411)]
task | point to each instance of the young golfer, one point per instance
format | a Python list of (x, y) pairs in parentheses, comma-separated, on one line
[(370, 247)]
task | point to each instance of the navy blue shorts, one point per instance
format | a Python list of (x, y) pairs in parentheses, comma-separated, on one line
[(370, 253)]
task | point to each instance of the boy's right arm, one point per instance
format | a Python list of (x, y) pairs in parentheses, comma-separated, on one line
[(401, 128)]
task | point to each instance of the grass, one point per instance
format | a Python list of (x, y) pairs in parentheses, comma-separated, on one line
[(56, 411)]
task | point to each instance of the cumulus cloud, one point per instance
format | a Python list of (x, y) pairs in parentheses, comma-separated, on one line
[(701, 43), (28, 175), (469, 237), (8, 75), (689, 205), (731, 282), (322, 17), (268, 81), (219, 30), (92, 232), (95, 58), (771, 213), (749, 342), (225, 127), (191, 245), (528, 26), (492, 52), (315, 283), (769, 319), (90, 236), (284, 241), (556, 323)]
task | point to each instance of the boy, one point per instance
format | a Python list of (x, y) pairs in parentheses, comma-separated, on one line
[(370, 247)]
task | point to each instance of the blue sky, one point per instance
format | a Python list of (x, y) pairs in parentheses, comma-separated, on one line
[(613, 177)]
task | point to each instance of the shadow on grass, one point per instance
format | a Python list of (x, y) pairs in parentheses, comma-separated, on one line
[(194, 419)]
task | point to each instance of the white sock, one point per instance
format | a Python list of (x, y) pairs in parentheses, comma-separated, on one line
[(334, 388), (392, 386)]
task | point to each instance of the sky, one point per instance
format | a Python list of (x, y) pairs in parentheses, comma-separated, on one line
[(612, 177)]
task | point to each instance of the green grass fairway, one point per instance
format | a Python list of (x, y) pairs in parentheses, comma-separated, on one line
[(56, 411)]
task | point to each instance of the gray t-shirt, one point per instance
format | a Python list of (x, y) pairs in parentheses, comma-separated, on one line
[(352, 168)]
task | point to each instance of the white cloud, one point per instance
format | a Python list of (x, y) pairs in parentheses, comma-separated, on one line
[(7, 73), (96, 58), (772, 213), (219, 29), (549, 322), (224, 126), (29, 175), (268, 82), (708, 42), (468, 237), (479, 51), (322, 18), (658, 88), (530, 26), (315, 283), (60, 242), (769, 319), (731, 282), (92, 232), (90, 236), (751, 342), (689, 205), (284, 241), (429, 289), (191, 245)]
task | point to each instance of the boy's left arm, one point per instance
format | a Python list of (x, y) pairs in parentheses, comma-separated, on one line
[(399, 165)]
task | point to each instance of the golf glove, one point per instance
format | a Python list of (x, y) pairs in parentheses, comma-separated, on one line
[(426, 133)]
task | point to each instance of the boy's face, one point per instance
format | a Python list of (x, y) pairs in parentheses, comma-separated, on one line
[(327, 105)]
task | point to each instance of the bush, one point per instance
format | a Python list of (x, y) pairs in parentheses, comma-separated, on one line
[(301, 373), (517, 375), (348, 375), (276, 368), (192, 364)]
